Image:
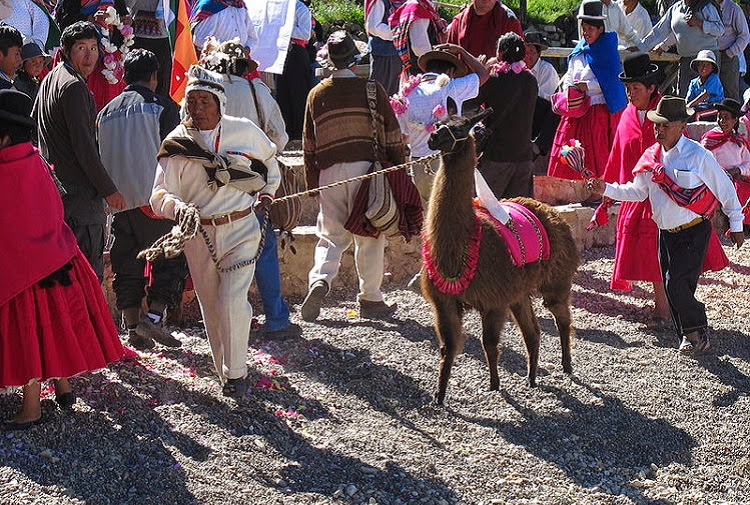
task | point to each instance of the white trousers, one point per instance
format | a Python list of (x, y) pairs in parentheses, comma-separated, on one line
[(333, 239), (223, 296)]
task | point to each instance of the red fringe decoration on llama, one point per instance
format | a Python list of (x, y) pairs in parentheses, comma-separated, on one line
[(459, 283)]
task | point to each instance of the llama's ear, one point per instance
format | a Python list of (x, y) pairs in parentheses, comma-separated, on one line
[(480, 116)]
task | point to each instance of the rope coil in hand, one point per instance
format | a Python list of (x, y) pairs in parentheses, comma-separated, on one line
[(189, 222)]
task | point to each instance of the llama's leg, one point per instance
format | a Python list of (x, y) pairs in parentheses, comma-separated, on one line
[(558, 302), (448, 326), (492, 327), (527, 323)]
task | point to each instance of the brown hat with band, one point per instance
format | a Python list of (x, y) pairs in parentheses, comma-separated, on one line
[(670, 108), (238, 52), (437, 54)]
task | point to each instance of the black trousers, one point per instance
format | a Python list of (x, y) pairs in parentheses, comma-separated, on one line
[(292, 87), (163, 52), (681, 258), (134, 231), (544, 126)]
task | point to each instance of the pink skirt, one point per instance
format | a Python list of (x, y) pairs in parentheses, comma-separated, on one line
[(59, 331), (596, 131), (637, 248)]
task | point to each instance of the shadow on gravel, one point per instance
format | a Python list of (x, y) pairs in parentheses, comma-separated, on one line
[(732, 344), (409, 329), (93, 451), (352, 371), (594, 438)]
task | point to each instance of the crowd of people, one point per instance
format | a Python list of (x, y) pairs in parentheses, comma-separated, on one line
[(94, 135)]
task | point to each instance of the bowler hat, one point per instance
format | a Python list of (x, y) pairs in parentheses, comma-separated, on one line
[(341, 51), (705, 56), (591, 10), (670, 108), (438, 54), (729, 105), (15, 107), (638, 68), (536, 39)]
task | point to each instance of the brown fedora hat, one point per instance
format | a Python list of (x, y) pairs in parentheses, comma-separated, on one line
[(237, 52), (436, 54), (670, 108)]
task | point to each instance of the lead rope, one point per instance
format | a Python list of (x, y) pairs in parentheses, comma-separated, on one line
[(189, 221)]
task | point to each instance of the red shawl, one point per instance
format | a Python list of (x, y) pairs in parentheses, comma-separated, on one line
[(699, 199), (716, 138), (34, 239), (479, 34), (400, 22), (631, 140)]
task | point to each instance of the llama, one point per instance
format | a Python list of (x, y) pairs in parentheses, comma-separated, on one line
[(498, 285)]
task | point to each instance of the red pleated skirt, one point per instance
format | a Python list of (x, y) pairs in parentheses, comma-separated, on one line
[(596, 131), (743, 193), (59, 331), (637, 248)]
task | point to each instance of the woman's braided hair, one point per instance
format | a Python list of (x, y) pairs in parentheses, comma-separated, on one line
[(512, 47)]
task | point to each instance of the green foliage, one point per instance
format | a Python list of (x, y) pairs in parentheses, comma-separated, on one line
[(332, 11)]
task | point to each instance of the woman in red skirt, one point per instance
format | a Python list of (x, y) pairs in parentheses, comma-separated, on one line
[(54, 321), (636, 253), (593, 69)]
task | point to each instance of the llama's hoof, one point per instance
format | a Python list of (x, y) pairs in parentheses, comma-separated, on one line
[(531, 382), (567, 368), (495, 386), (439, 398)]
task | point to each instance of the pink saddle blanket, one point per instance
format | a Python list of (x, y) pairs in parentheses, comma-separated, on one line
[(524, 234)]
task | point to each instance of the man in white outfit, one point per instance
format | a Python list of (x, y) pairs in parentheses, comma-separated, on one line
[(225, 167), (637, 16), (224, 20)]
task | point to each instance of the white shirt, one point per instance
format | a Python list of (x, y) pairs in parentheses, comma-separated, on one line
[(546, 78), (730, 155), (374, 26), (419, 40), (29, 19), (226, 25), (689, 165), (639, 19), (580, 71), (302, 28), (736, 34), (423, 100), (616, 22)]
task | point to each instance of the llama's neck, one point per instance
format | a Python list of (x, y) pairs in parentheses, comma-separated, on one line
[(450, 218)]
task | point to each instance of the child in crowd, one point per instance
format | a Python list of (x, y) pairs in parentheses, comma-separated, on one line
[(30, 73), (707, 80)]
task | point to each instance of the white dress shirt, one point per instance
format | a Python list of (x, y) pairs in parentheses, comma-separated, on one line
[(689, 165), (616, 22), (736, 35), (639, 19), (226, 25), (580, 71), (546, 78), (28, 18), (375, 27), (419, 39), (302, 28)]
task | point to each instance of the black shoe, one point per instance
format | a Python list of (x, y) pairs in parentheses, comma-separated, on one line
[(376, 310), (66, 400), (310, 309), (14, 426), (291, 331), (139, 342)]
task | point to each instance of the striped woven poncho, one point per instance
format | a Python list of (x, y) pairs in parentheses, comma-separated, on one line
[(400, 22)]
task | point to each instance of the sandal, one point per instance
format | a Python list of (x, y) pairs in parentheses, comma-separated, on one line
[(235, 387), (66, 400), (685, 346), (16, 426), (701, 345)]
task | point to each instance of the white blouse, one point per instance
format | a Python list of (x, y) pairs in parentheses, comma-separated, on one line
[(580, 71)]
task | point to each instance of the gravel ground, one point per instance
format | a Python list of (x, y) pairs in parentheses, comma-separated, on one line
[(344, 415)]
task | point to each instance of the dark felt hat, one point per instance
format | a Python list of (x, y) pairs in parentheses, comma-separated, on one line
[(729, 105), (637, 67), (670, 108), (591, 10), (31, 50), (451, 58), (342, 50), (536, 39), (15, 107)]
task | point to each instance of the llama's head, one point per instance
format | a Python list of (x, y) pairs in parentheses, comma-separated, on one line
[(450, 135)]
